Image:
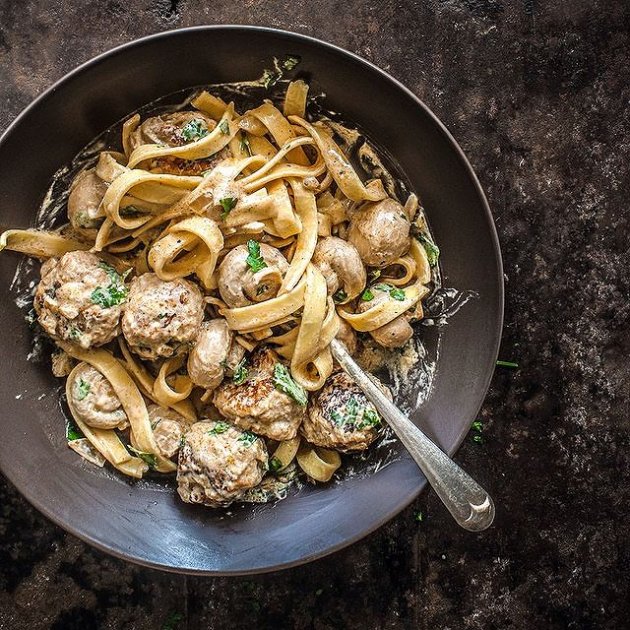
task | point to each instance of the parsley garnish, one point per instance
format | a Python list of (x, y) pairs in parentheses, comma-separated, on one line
[(291, 61), (227, 203), (73, 432), (248, 437), (477, 425), (340, 296), (74, 333), (194, 130), (269, 78), (284, 382), (354, 416), (115, 293), (419, 516), (275, 464), (255, 260), (148, 458), (397, 294), (367, 296), (83, 389), (432, 250), (224, 126), (240, 372), (508, 364), (245, 146), (477, 429), (219, 427)]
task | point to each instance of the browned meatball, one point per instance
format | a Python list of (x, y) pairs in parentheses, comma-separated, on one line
[(162, 319), (340, 416), (258, 404), (380, 232), (218, 462), (79, 299)]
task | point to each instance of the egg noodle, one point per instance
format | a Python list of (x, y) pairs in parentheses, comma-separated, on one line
[(274, 178)]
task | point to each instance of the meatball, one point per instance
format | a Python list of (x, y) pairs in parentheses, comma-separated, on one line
[(339, 416), (341, 265), (257, 403), (168, 428), (240, 286), (79, 299), (162, 319), (218, 462), (380, 232), (86, 194), (214, 353), (394, 334), (94, 400)]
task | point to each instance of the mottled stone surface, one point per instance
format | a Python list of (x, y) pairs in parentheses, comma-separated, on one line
[(537, 93)]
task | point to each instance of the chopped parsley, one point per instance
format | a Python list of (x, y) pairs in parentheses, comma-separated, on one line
[(240, 372), (254, 260), (73, 432), (115, 293), (248, 438), (245, 146), (74, 333), (477, 429), (269, 78), (275, 464), (284, 382), (508, 364), (354, 416), (418, 516), (367, 296), (227, 203), (340, 296), (477, 425), (219, 427), (224, 126), (82, 389), (375, 274), (432, 250), (291, 61), (194, 130), (148, 458), (394, 292)]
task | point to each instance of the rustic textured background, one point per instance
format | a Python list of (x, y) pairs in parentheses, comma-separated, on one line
[(537, 93)]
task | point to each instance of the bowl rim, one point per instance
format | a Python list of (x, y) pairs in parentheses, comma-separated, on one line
[(42, 507)]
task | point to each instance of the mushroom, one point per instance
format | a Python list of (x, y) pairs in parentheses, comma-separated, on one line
[(94, 401), (168, 428), (394, 334), (347, 336), (174, 129), (240, 285), (380, 232), (341, 265), (218, 462), (214, 353), (84, 202)]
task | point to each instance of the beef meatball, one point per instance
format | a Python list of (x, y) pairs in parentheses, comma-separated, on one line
[(257, 403), (162, 319), (380, 232), (339, 416), (94, 400), (168, 428), (218, 462), (215, 352), (79, 299)]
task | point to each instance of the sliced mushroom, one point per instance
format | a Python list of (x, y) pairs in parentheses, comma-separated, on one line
[(240, 286), (341, 265), (173, 130), (394, 334), (168, 428), (214, 353), (84, 201), (380, 232)]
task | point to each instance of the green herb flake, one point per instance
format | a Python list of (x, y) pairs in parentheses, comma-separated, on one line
[(275, 464), (148, 458), (431, 249), (248, 438), (477, 425), (367, 295), (73, 432), (477, 438), (224, 126), (115, 293), (269, 78), (240, 372), (291, 61), (419, 517), (194, 130), (284, 382), (394, 292), (370, 419), (254, 260), (397, 294), (227, 203), (219, 427), (340, 296), (375, 274), (507, 364), (245, 146), (182, 441), (353, 416), (74, 333), (82, 389)]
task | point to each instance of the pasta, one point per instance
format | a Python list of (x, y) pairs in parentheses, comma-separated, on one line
[(204, 271)]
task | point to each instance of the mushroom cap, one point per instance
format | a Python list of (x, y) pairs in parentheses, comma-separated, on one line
[(84, 202), (341, 266), (94, 400), (167, 128), (394, 334), (162, 319), (380, 232), (168, 428), (64, 300), (218, 462), (339, 416), (240, 286)]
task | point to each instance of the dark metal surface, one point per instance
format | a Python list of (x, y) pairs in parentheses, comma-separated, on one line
[(142, 521)]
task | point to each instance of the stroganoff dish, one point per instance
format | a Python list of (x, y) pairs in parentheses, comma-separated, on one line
[(196, 287)]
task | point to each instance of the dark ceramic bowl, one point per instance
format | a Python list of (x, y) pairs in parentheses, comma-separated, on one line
[(145, 521)]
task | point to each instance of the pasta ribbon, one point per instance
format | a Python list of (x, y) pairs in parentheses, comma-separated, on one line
[(318, 463), (39, 243)]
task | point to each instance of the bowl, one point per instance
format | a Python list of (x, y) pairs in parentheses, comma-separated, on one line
[(145, 522)]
